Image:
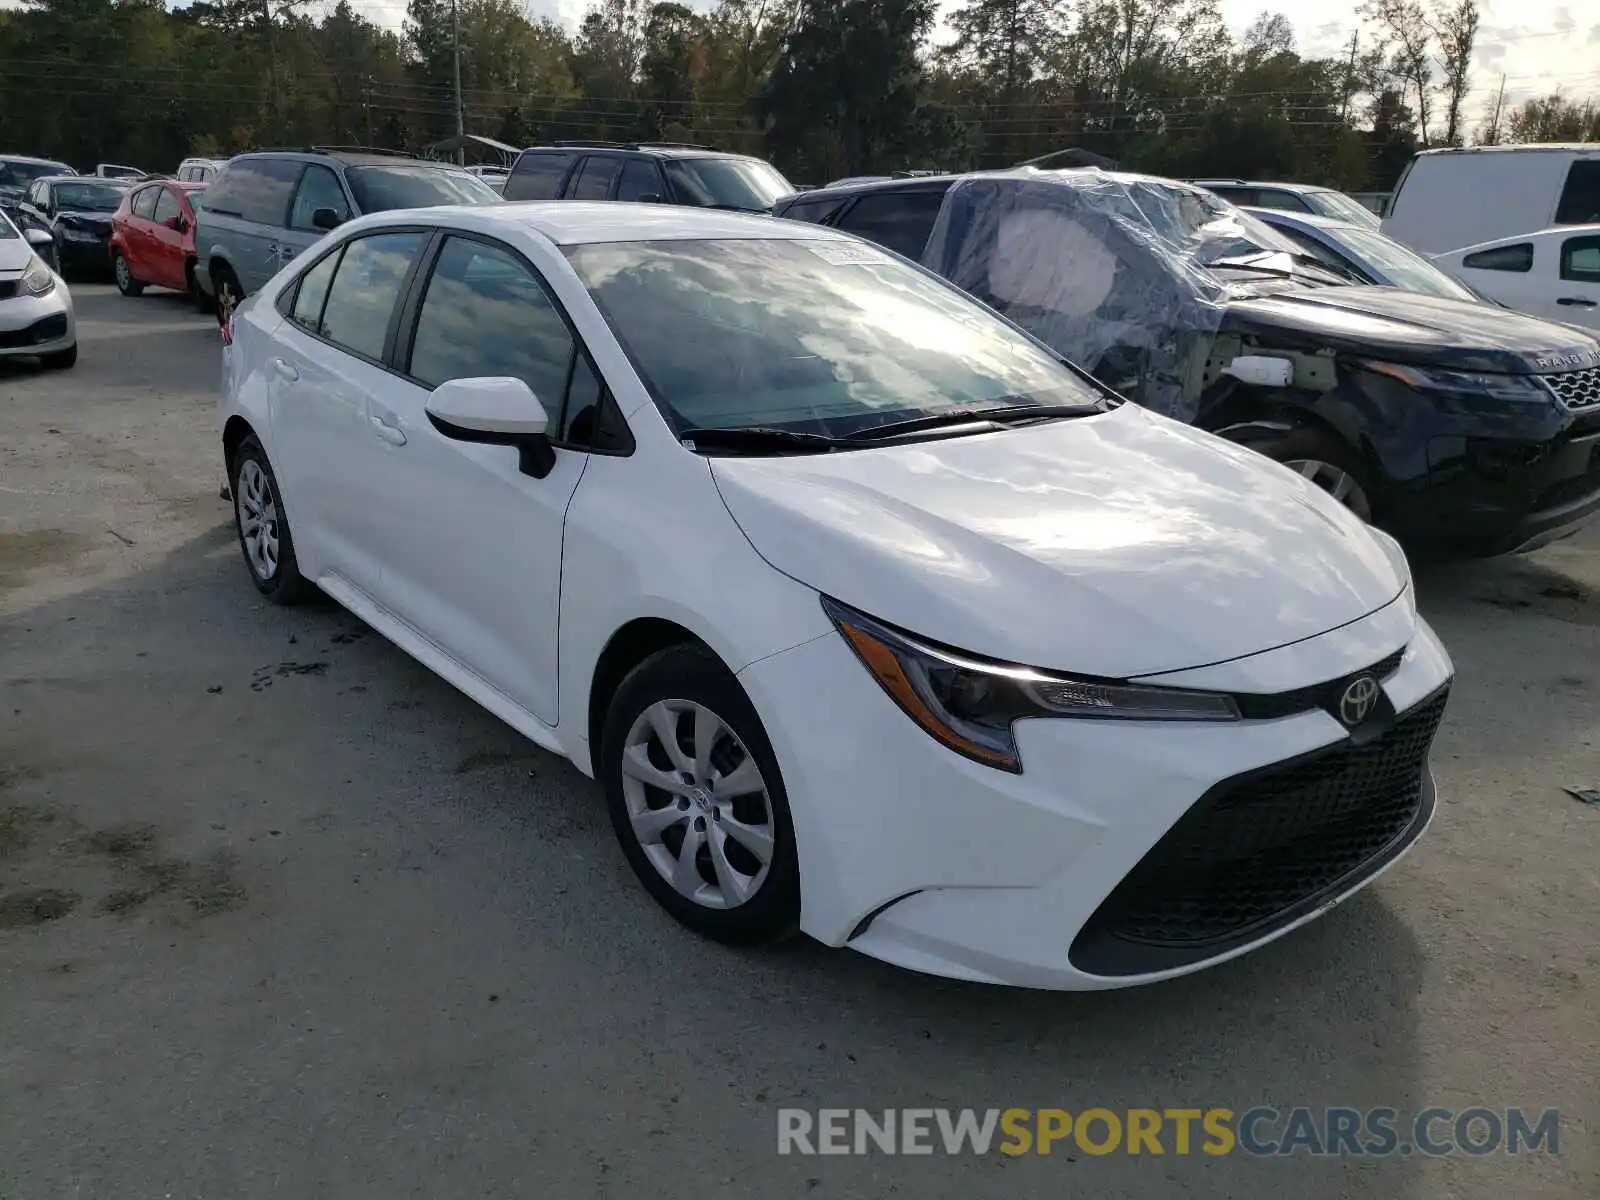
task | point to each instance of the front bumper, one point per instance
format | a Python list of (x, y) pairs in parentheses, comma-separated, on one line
[(922, 858), (34, 325), (88, 255)]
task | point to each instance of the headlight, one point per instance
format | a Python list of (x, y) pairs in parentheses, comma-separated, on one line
[(1475, 383), (79, 235), (970, 704), (38, 280)]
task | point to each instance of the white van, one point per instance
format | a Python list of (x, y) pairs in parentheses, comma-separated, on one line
[(1447, 199)]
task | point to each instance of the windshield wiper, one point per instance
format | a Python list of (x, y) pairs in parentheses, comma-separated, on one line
[(976, 414), (761, 438), (1254, 262)]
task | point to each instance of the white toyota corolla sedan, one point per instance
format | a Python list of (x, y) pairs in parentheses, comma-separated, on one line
[(873, 618)]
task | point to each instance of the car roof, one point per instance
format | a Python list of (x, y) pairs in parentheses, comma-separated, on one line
[(1512, 239), (1310, 220), (658, 149), (350, 158), (940, 182), (28, 158), (581, 222), (1534, 148), (1260, 183)]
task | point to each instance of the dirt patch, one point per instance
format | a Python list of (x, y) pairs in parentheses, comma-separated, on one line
[(21, 553), (481, 760), (261, 679), (123, 841), (20, 825), (18, 910)]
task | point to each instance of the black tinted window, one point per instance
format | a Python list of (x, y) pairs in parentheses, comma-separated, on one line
[(485, 313), (1246, 197), (814, 211), (144, 202), (365, 288), (1580, 198), (257, 189), (380, 189), (594, 178), (1502, 258), (640, 177), (319, 188), (1270, 198), (167, 205), (538, 175), (1580, 259), (900, 221)]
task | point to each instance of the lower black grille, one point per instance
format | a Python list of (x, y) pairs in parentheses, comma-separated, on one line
[(1258, 851), (47, 330), (10, 288)]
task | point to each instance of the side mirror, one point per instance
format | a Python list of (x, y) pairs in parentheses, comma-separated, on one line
[(325, 218), (174, 223), (39, 237), (495, 410)]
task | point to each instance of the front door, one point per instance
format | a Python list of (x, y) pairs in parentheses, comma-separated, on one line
[(471, 546)]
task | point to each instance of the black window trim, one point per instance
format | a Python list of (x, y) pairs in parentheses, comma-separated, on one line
[(290, 291), (409, 312)]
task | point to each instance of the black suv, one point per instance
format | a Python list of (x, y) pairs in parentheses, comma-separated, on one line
[(650, 172), (1458, 426)]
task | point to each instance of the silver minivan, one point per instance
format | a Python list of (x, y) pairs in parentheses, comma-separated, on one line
[(265, 208)]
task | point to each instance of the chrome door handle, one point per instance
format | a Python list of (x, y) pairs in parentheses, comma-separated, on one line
[(285, 370), (392, 434), (1579, 301)]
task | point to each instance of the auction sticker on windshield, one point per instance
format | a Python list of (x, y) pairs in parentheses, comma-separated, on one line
[(847, 254)]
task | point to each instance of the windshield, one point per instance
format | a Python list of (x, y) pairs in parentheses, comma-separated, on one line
[(88, 197), (1337, 204), (827, 337), (1402, 267), (380, 189), (742, 183), (20, 174)]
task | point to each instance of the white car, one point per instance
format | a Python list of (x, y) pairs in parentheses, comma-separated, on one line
[(1554, 273), (36, 317), (872, 618)]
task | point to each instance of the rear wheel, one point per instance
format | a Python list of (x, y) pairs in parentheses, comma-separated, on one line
[(126, 283), (228, 292), (697, 801), (263, 529)]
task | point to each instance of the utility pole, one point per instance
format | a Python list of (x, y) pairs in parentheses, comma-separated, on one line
[(1350, 78), (461, 116), (1493, 138)]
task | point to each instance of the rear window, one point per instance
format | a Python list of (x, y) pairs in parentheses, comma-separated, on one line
[(747, 184), (256, 189), (538, 175), (814, 211), (899, 221), (1580, 198), (1502, 258), (381, 189)]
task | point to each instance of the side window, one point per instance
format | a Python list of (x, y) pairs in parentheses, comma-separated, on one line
[(1284, 201), (1580, 198), (538, 175), (485, 313), (1244, 197), (144, 202), (311, 292), (898, 221), (813, 211), (258, 189), (319, 188), (640, 177), (364, 291), (1502, 258), (36, 195), (167, 206), (1580, 259), (594, 178)]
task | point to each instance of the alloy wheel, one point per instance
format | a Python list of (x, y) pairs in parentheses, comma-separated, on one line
[(258, 519), (124, 276), (1337, 482), (698, 804)]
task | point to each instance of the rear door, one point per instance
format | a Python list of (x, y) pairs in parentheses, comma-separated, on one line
[(164, 242), (539, 174), (327, 368), (594, 177), (138, 245), (1578, 280)]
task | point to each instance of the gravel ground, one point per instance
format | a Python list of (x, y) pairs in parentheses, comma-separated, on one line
[(283, 914)]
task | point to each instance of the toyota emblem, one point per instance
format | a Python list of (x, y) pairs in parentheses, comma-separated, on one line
[(1358, 701)]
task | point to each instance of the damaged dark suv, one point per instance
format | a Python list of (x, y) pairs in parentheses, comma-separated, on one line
[(1461, 428)]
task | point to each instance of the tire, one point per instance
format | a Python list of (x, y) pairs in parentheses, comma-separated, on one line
[(1326, 460), (197, 294), (61, 359), (678, 684), (268, 556), (225, 285), (126, 283)]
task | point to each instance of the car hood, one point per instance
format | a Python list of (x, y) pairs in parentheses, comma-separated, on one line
[(1400, 326), (1118, 545), (14, 254), (98, 222)]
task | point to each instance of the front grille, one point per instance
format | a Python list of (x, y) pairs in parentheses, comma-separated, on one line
[(47, 330), (1262, 849), (1576, 389)]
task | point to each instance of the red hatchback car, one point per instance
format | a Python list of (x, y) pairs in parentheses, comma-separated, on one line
[(152, 238)]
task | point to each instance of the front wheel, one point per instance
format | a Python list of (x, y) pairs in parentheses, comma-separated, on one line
[(697, 801), (126, 283), (226, 285), (1325, 460)]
